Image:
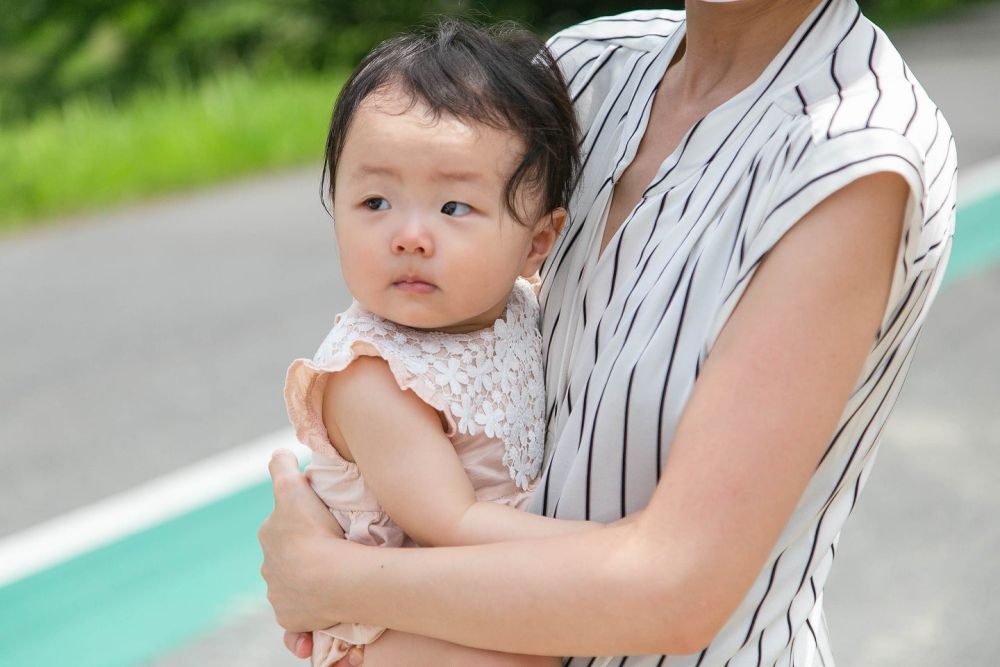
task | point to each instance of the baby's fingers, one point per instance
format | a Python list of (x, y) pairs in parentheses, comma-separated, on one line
[(354, 657), (299, 643)]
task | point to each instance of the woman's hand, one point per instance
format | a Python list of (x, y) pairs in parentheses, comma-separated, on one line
[(296, 540)]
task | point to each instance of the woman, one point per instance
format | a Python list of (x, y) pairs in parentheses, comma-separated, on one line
[(764, 217)]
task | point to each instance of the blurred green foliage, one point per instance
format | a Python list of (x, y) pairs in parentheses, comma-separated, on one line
[(52, 51), (89, 154), (894, 12)]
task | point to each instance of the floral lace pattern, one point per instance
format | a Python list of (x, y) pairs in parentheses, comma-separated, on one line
[(488, 381)]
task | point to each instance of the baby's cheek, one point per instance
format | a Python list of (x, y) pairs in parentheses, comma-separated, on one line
[(481, 280), (362, 282)]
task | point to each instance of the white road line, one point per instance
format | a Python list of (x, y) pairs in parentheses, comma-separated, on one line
[(87, 528), (978, 181)]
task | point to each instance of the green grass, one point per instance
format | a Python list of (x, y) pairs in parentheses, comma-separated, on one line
[(91, 153)]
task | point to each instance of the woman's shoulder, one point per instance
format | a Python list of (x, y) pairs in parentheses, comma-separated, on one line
[(857, 112), (592, 54), (641, 30), (631, 29), (865, 89)]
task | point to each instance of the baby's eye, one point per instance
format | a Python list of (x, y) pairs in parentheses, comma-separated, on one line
[(456, 208), (377, 204)]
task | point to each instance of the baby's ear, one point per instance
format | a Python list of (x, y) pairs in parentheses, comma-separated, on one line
[(543, 238), (557, 219)]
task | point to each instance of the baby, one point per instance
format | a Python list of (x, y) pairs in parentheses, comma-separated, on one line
[(451, 155)]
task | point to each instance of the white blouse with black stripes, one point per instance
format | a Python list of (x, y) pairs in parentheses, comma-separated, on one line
[(627, 331)]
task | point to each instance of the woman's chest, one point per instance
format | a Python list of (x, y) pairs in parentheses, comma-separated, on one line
[(681, 247), (629, 314), (668, 124)]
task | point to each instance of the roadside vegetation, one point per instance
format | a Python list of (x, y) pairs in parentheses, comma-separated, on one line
[(92, 152)]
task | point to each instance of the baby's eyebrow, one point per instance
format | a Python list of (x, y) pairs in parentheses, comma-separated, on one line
[(376, 170), (470, 176), (466, 176)]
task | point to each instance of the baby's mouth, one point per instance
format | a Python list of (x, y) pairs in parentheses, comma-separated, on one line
[(415, 285)]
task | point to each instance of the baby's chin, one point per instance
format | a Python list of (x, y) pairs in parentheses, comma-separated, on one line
[(412, 317), (428, 320)]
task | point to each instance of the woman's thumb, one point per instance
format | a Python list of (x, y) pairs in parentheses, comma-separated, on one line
[(283, 464)]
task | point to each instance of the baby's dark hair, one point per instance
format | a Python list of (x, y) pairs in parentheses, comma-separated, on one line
[(501, 75)]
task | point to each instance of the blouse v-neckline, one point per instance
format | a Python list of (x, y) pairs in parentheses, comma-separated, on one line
[(699, 144)]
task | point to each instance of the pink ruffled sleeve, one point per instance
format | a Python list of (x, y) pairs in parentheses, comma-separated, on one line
[(354, 336)]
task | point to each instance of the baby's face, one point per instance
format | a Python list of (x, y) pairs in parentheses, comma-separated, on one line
[(424, 234)]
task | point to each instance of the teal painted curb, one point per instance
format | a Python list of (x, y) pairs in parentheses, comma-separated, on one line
[(136, 599), (977, 238)]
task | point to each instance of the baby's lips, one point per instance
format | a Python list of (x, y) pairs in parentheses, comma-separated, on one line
[(415, 285)]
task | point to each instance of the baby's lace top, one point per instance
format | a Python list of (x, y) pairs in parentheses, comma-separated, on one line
[(488, 381)]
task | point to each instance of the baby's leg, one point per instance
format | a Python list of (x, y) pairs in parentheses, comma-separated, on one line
[(399, 648)]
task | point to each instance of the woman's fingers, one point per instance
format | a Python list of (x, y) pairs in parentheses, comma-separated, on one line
[(299, 532), (294, 497), (299, 643)]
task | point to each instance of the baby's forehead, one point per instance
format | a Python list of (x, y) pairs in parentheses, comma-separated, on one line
[(416, 116), (396, 99), (407, 141), (398, 128)]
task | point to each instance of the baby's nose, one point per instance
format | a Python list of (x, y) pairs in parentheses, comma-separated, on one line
[(413, 239), (411, 245)]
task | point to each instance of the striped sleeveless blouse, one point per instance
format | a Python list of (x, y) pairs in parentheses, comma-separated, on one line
[(626, 332)]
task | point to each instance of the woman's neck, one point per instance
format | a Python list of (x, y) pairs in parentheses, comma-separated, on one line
[(728, 44)]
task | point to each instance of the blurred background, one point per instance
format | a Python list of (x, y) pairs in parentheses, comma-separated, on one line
[(164, 254)]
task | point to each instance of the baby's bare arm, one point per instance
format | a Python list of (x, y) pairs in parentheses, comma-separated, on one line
[(400, 447)]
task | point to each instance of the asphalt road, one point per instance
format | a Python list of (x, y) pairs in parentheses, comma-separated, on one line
[(138, 341)]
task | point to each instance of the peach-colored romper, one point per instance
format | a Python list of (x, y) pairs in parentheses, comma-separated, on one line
[(488, 387)]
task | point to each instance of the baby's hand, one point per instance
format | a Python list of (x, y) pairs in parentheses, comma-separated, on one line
[(301, 644), (354, 657)]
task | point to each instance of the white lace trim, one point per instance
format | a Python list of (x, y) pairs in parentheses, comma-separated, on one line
[(490, 381)]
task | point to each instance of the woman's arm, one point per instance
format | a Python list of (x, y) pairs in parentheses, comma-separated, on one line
[(761, 413), (412, 467)]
